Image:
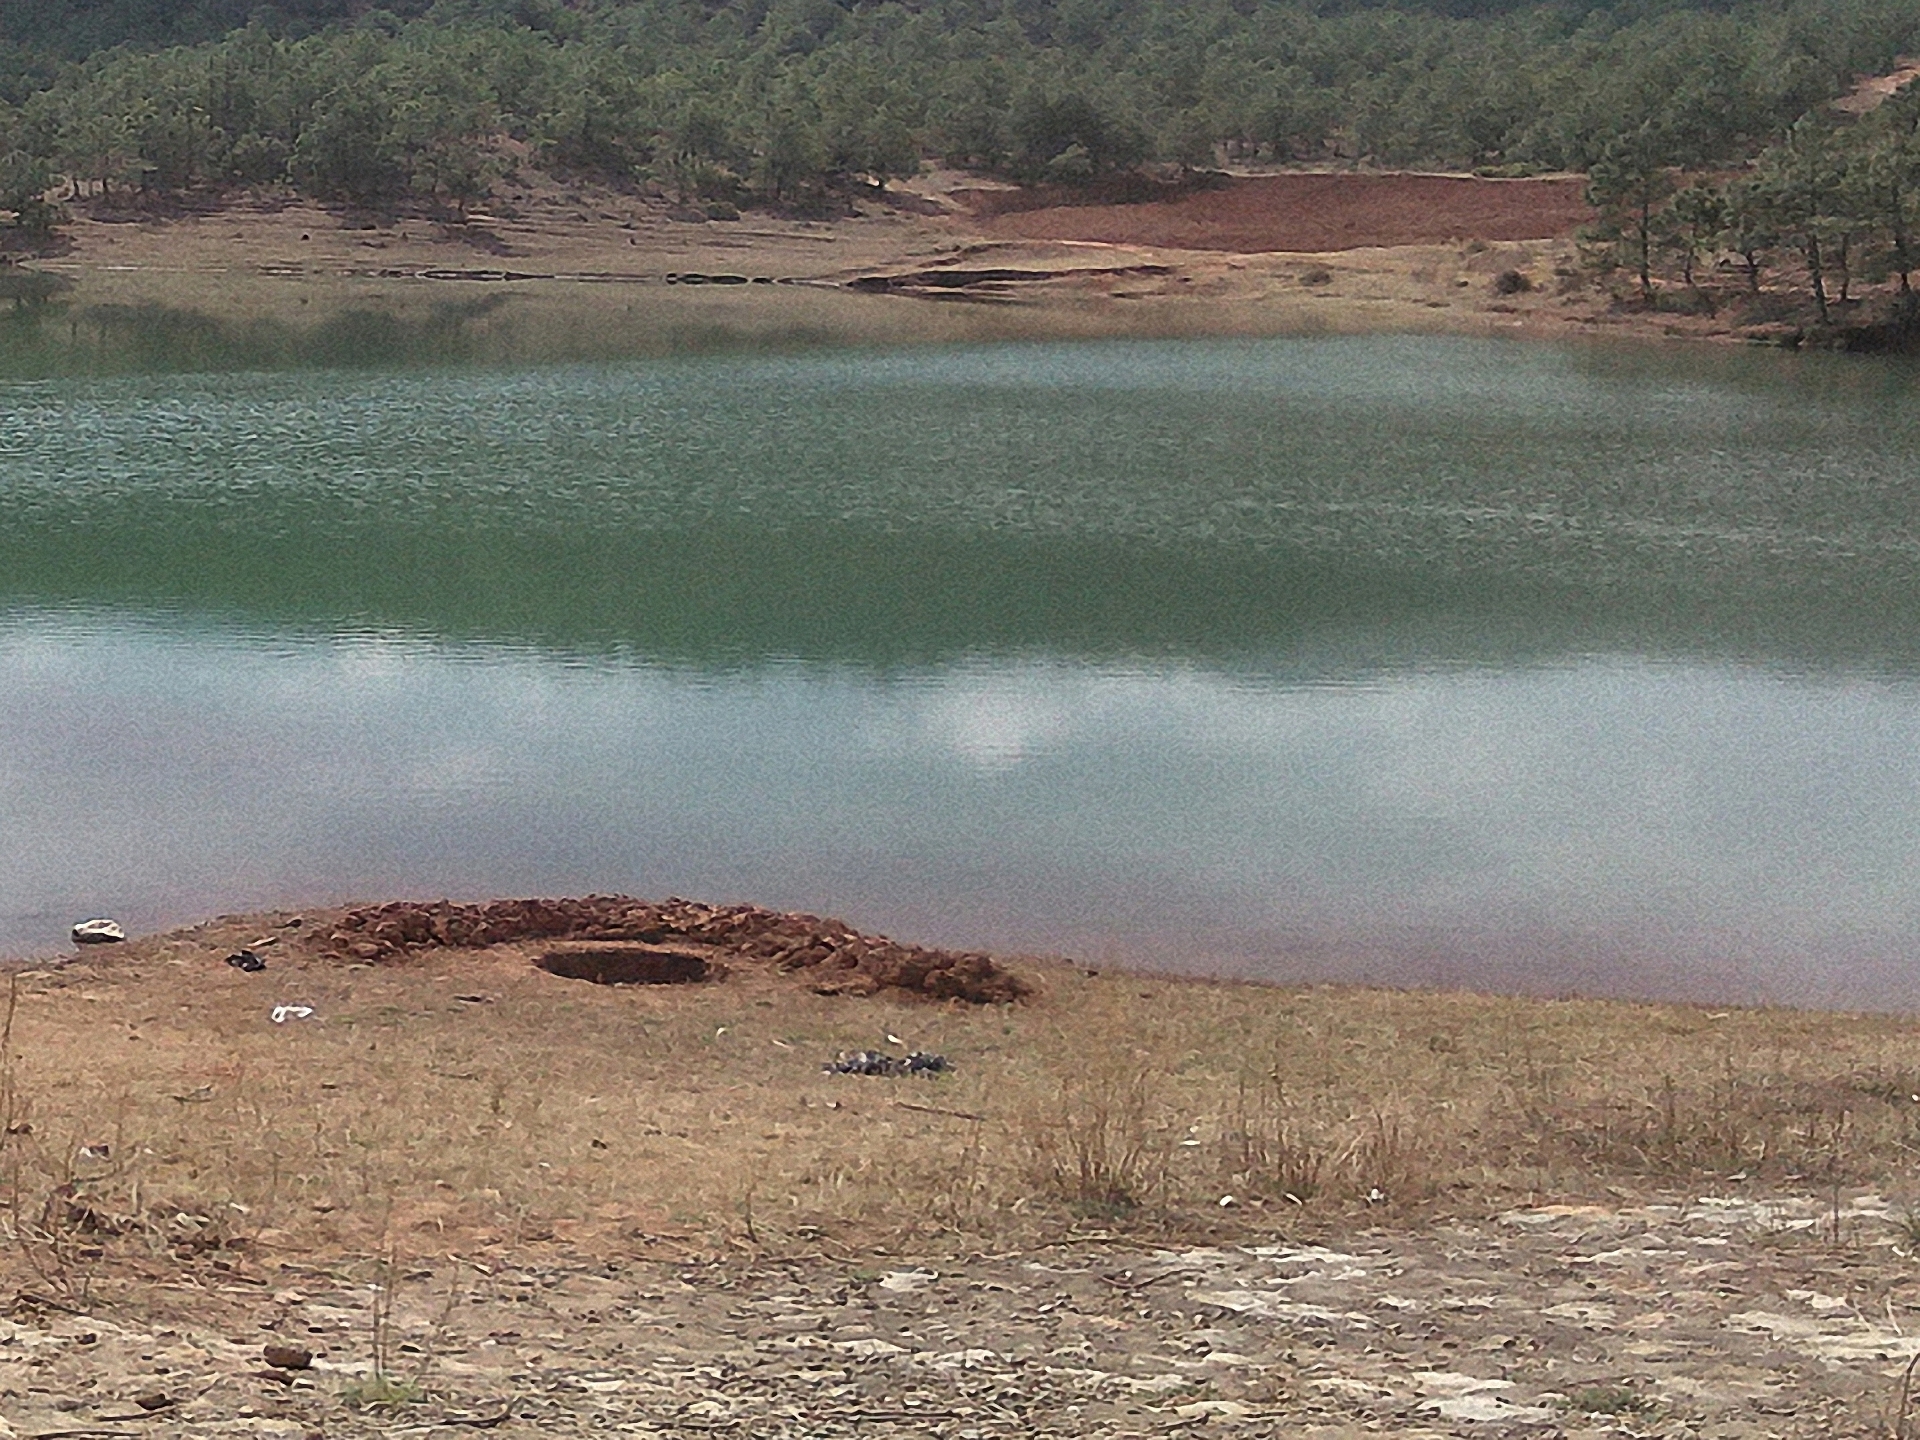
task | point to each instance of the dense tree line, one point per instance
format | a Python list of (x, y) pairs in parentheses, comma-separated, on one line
[(1834, 204), (73, 29), (783, 100)]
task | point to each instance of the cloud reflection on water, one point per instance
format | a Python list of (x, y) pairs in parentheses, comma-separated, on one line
[(1745, 834)]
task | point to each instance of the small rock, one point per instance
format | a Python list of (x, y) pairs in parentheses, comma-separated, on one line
[(287, 1357), (153, 1400)]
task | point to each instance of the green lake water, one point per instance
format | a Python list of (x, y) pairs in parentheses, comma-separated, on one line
[(1418, 661)]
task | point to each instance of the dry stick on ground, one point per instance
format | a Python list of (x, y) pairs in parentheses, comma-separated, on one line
[(1898, 1430), (1140, 1282), (380, 1311), (937, 1110), (471, 1422), (442, 1322)]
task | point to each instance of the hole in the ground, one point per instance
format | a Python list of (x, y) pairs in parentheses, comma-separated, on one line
[(629, 965)]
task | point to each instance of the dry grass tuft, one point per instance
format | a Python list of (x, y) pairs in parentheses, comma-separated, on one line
[(1101, 1143)]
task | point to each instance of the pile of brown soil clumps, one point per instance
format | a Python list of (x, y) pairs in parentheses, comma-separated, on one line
[(1306, 213), (836, 958)]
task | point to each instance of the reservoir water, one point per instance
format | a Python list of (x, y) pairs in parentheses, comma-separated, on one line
[(1407, 660)]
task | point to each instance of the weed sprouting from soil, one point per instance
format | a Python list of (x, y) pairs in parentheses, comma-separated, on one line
[(381, 1392), (381, 1387), (391, 1381), (1615, 1400)]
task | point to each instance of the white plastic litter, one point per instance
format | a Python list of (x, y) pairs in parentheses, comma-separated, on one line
[(284, 1013)]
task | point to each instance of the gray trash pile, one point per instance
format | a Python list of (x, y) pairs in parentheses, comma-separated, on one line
[(878, 1062)]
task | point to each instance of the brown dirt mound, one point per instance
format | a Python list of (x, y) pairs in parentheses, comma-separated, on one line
[(1302, 213), (837, 959)]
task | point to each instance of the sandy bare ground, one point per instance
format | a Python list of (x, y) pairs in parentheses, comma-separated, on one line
[(1695, 1316), (549, 272), (485, 1196), (1869, 92)]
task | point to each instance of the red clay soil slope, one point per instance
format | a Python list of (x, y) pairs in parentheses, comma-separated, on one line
[(1311, 213)]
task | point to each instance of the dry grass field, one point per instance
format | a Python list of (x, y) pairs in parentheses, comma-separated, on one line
[(463, 1098), (374, 1179)]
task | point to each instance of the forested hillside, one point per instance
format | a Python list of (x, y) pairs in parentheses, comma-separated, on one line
[(784, 101), (72, 29), (778, 95)]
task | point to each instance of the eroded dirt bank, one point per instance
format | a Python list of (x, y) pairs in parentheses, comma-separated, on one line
[(552, 272)]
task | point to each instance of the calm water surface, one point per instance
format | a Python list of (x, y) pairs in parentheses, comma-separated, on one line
[(1421, 661)]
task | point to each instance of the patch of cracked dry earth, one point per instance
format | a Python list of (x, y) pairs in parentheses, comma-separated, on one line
[(1705, 1317)]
